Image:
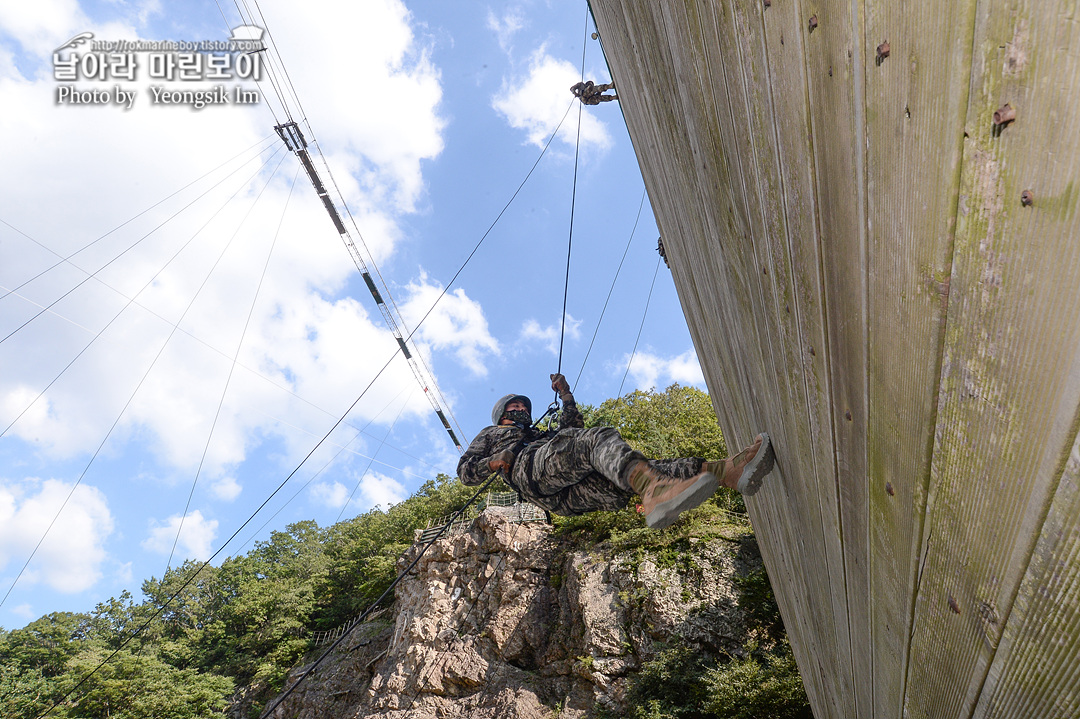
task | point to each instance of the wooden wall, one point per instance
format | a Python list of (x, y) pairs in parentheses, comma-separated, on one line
[(863, 280)]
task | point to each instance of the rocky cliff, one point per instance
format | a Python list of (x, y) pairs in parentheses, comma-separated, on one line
[(509, 620)]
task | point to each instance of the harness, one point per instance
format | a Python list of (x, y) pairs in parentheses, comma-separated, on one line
[(531, 435)]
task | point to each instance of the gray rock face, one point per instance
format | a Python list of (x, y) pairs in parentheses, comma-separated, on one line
[(507, 621)]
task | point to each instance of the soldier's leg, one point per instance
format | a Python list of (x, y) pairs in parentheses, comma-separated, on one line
[(592, 494), (681, 468), (573, 454)]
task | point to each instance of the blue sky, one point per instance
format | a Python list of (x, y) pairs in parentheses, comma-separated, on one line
[(187, 376)]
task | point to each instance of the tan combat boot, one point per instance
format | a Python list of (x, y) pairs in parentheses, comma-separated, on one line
[(664, 497), (747, 469)]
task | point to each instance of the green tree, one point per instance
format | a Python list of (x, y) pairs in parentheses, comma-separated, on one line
[(24, 691), (133, 686), (114, 621), (766, 685), (256, 609), (186, 600), (46, 644), (678, 422)]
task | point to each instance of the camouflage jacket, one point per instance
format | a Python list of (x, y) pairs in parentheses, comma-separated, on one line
[(473, 468)]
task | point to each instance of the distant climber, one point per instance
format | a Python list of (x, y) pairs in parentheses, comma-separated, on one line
[(592, 94), (663, 252), (575, 470)]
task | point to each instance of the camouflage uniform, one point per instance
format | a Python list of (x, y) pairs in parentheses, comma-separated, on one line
[(593, 94), (568, 472)]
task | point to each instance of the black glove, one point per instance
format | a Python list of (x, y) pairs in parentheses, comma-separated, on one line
[(559, 384)]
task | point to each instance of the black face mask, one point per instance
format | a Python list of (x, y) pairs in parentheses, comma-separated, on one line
[(518, 416)]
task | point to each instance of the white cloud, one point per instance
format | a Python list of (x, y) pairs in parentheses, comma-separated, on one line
[(505, 27), (70, 557), (384, 120), (381, 491), (145, 9), (123, 573), (226, 488), (19, 404), (332, 495), (537, 102), (42, 26), (374, 490), (302, 338), (532, 331), (456, 323), (23, 610), (654, 371), (195, 540)]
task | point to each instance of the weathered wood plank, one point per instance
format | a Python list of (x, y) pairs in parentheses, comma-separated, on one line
[(1009, 390), (1036, 670), (727, 257), (734, 42), (916, 107), (663, 146), (806, 192), (786, 244), (835, 82)]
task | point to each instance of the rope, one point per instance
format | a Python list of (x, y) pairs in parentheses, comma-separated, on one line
[(126, 222), (612, 288), (130, 398), (573, 201), (226, 543), (239, 344), (371, 461), (243, 20), (94, 274), (318, 473), (638, 338), (174, 324)]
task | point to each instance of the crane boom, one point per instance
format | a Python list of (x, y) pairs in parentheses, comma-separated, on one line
[(294, 140)]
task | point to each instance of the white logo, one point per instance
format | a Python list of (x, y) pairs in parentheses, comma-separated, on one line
[(82, 37), (247, 33), (210, 61)]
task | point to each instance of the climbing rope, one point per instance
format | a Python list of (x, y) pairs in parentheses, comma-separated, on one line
[(573, 203), (574, 200), (642, 325), (611, 289)]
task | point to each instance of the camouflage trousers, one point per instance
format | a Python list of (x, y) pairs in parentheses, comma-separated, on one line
[(584, 470)]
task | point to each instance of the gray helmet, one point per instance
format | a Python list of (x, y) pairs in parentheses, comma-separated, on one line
[(500, 406)]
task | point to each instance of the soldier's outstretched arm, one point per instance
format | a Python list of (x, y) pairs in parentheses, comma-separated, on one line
[(473, 467), (571, 417)]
